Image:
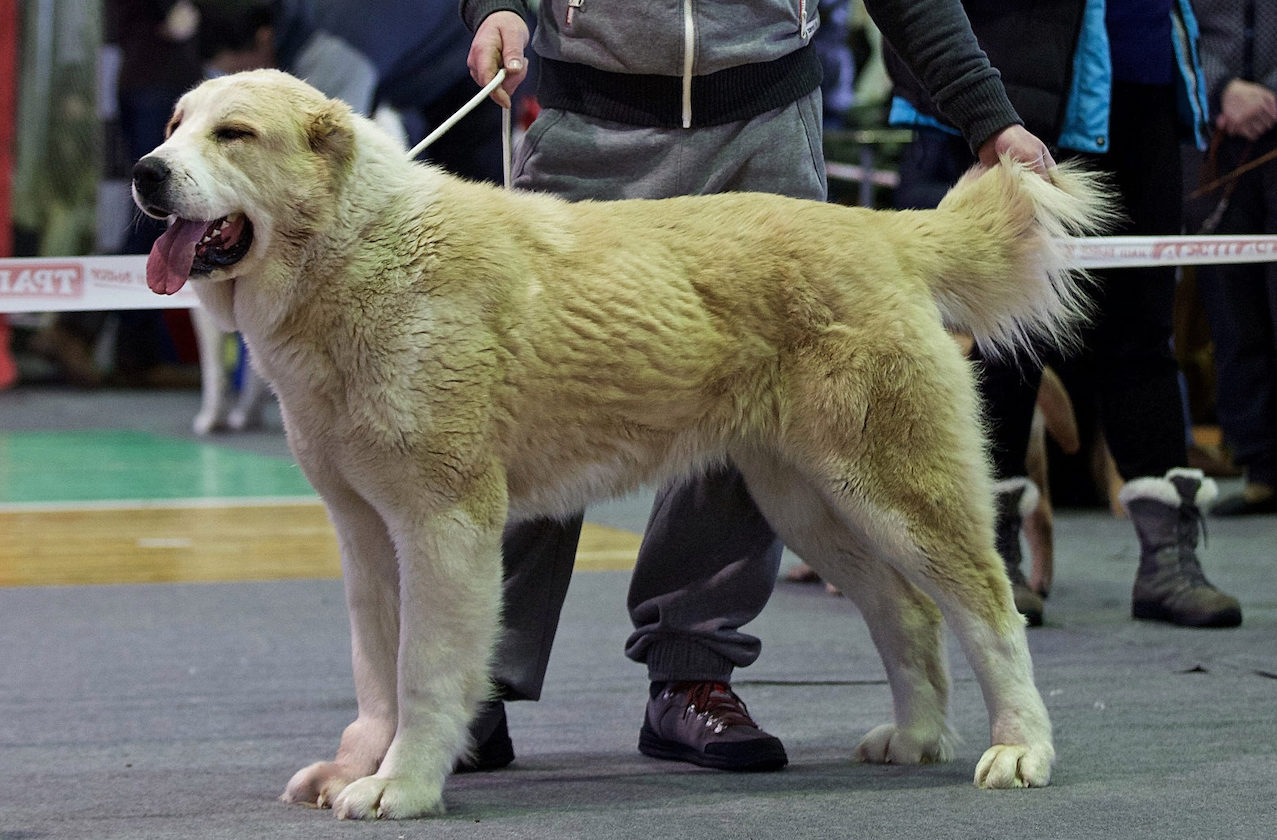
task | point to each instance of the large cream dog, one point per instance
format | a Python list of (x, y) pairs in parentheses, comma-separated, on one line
[(448, 355)]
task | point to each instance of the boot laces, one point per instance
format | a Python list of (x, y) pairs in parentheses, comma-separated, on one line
[(1191, 521), (715, 703)]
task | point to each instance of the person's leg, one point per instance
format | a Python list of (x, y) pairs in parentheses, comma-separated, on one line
[(578, 158), (1241, 304), (930, 164), (537, 560), (538, 568), (679, 632), (1137, 376), (144, 340), (709, 559)]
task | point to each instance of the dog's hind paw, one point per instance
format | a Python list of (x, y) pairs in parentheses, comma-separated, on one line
[(377, 798), (889, 744), (1014, 766)]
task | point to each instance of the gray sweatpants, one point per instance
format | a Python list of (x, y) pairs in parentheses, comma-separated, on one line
[(708, 560)]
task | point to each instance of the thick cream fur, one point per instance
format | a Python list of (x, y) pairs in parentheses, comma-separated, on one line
[(449, 354)]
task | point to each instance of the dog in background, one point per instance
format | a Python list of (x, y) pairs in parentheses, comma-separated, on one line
[(217, 411), (448, 355)]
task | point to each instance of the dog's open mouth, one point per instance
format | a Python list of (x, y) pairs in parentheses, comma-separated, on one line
[(191, 248), (224, 243)]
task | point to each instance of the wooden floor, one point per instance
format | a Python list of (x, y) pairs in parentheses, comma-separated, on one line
[(104, 508)]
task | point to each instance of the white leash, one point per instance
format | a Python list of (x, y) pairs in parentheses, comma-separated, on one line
[(467, 108)]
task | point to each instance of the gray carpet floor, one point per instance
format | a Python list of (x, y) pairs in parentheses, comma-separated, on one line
[(179, 711)]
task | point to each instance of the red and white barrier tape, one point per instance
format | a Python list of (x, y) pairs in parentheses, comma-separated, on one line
[(1148, 251), (70, 284), (74, 284)]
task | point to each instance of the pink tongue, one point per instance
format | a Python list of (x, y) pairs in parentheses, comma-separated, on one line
[(169, 264)]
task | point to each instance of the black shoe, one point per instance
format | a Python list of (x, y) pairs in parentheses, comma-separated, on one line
[(1015, 498), (705, 723), (493, 747)]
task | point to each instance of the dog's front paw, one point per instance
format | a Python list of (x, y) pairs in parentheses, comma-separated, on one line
[(1014, 766), (377, 798), (209, 420), (319, 784), (243, 418), (889, 744)]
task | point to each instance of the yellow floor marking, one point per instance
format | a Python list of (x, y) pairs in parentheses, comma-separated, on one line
[(204, 543)]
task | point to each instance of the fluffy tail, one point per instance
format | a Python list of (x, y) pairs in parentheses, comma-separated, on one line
[(997, 265)]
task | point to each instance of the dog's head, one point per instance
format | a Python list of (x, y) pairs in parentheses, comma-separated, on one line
[(249, 168)]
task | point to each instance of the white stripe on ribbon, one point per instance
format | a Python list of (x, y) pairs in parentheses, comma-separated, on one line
[(1148, 251)]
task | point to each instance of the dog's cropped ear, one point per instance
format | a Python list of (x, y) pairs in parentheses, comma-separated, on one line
[(331, 134)]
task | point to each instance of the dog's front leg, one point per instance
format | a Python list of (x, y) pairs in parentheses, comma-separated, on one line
[(371, 575), (450, 585)]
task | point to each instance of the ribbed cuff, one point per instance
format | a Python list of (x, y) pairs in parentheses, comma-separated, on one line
[(680, 660), (474, 11), (980, 109)]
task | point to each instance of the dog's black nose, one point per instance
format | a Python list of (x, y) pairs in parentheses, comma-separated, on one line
[(149, 174)]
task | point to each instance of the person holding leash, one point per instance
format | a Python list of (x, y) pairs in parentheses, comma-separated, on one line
[(655, 100), (1120, 84)]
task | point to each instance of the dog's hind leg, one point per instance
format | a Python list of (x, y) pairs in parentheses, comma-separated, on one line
[(903, 622), (449, 616), (895, 453), (936, 530), (371, 577), (945, 547)]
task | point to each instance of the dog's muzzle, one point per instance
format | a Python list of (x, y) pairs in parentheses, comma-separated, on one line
[(189, 247)]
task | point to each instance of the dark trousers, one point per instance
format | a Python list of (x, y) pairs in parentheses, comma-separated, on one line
[(709, 559), (1241, 304), (1126, 356)]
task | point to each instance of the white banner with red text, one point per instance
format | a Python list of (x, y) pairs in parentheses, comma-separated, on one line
[(103, 283)]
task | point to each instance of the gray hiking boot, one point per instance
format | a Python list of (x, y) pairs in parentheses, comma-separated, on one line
[(1170, 585), (1015, 498)]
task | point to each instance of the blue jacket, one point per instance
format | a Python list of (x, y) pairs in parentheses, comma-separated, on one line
[(1084, 123)]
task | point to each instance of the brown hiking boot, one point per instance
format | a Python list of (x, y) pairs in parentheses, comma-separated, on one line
[(705, 723), (1170, 584)]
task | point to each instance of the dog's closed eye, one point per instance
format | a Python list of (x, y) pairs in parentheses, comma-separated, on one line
[(229, 133)]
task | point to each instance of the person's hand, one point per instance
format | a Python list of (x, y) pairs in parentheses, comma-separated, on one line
[(181, 22), (499, 42), (1017, 143), (1247, 110)]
